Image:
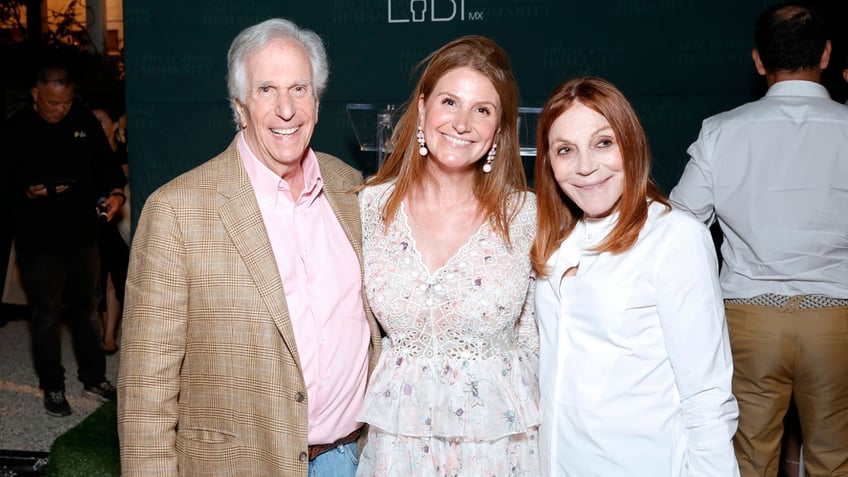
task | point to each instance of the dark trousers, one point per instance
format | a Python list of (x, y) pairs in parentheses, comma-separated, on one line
[(57, 286)]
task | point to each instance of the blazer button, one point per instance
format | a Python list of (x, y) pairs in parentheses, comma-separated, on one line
[(303, 457), (299, 397)]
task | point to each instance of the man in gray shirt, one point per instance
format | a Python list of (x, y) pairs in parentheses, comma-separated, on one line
[(774, 173)]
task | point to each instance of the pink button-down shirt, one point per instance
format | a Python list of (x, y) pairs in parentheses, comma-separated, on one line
[(323, 286)]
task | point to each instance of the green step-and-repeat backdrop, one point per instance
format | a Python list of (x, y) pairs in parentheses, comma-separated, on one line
[(678, 61)]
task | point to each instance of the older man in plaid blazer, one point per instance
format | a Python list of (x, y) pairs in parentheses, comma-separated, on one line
[(246, 341)]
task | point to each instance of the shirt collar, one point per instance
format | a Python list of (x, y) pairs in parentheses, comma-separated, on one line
[(596, 230), (266, 183), (587, 233), (798, 88)]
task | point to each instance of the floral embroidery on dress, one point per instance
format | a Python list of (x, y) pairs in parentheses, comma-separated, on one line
[(457, 382)]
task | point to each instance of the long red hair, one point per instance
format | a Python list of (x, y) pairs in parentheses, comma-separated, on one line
[(407, 166), (557, 214)]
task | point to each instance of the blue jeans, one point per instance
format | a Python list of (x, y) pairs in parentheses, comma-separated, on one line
[(339, 462)]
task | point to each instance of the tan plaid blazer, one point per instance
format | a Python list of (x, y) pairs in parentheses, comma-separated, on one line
[(210, 382)]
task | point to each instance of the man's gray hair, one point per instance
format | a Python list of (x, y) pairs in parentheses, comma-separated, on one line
[(256, 37)]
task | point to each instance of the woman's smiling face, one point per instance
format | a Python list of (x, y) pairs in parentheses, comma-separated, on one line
[(460, 118), (586, 160)]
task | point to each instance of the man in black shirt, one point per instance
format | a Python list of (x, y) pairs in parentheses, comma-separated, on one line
[(58, 167)]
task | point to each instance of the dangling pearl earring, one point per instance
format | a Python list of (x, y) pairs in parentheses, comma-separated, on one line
[(422, 150), (490, 158)]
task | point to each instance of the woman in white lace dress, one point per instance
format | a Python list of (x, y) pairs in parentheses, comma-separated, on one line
[(447, 229)]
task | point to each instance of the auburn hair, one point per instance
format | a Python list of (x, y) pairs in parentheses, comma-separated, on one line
[(556, 213), (407, 167)]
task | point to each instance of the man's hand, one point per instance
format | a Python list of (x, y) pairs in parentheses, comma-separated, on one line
[(113, 203), (41, 191)]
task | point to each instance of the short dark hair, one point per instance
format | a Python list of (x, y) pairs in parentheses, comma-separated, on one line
[(54, 71), (790, 37)]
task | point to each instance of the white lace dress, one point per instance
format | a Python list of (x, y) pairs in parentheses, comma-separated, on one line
[(455, 392)]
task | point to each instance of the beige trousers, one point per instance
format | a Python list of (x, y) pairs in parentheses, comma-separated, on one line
[(778, 352)]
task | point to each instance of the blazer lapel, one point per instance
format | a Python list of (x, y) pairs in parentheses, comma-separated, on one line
[(242, 218)]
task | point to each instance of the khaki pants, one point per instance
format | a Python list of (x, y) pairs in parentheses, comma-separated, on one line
[(778, 352)]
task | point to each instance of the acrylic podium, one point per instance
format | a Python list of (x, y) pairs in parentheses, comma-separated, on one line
[(373, 126), (527, 118)]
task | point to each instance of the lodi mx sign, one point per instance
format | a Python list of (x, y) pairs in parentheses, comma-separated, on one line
[(419, 11)]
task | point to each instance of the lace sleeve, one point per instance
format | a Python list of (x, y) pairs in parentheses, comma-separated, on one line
[(528, 330), (525, 232)]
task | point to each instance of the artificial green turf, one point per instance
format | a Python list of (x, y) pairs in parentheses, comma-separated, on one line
[(89, 449)]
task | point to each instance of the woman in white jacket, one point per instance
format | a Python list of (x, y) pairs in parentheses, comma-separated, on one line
[(635, 359)]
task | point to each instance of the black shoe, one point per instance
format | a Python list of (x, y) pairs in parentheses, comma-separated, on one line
[(55, 404), (103, 391)]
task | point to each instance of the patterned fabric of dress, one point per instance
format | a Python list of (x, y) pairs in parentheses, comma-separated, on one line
[(461, 358)]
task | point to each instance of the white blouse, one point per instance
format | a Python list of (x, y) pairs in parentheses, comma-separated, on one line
[(636, 369)]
